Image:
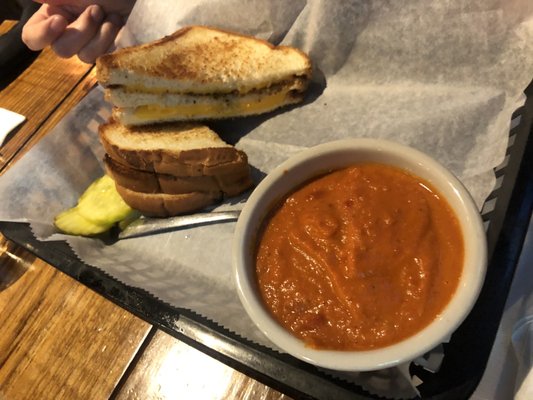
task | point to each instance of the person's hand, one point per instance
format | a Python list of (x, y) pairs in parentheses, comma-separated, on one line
[(84, 27)]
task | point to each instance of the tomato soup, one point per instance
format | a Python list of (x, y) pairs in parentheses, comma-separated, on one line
[(360, 258)]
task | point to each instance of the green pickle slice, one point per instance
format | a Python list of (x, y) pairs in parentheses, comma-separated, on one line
[(73, 223), (102, 204), (98, 209)]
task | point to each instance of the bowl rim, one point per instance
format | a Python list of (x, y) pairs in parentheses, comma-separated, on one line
[(438, 331)]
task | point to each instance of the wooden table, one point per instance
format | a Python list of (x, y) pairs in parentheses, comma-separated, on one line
[(61, 340)]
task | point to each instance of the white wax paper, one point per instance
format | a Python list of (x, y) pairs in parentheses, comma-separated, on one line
[(443, 76)]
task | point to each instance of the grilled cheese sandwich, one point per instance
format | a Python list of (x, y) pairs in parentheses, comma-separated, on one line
[(201, 73)]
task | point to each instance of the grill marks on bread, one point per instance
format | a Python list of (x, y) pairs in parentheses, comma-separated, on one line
[(216, 61)]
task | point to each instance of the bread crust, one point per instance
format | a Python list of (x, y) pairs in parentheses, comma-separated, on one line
[(161, 163), (167, 205), (150, 182), (194, 162)]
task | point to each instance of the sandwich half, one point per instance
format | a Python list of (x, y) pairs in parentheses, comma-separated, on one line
[(201, 73), (168, 169)]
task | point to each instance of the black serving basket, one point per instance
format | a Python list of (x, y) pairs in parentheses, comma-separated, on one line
[(506, 214)]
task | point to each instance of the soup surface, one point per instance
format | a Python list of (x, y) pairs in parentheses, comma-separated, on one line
[(360, 258)]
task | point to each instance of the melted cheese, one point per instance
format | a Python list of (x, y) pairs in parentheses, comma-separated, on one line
[(219, 109)]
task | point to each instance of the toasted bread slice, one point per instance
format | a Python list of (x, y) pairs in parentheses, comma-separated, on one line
[(167, 205), (150, 182), (202, 60), (178, 149)]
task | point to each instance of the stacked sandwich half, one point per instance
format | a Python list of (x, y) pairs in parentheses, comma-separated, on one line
[(172, 169), (163, 159)]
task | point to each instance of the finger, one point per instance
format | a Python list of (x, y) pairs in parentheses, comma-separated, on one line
[(102, 41), (41, 30), (122, 7), (47, 10), (80, 32)]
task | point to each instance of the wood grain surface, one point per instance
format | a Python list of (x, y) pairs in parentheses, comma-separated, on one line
[(59, 339)]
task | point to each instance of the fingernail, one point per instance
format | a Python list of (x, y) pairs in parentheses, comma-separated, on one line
[(96, 13)]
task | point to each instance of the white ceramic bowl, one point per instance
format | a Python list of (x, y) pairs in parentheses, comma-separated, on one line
[(331, 156)]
